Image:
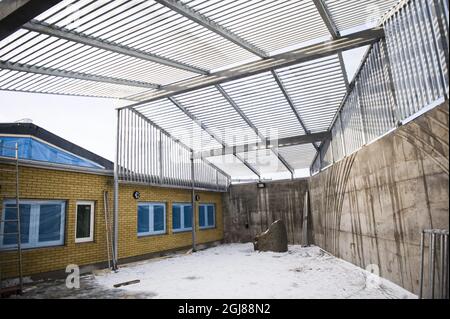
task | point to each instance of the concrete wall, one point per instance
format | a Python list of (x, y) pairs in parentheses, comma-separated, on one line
[(249, 211), (370, 207)]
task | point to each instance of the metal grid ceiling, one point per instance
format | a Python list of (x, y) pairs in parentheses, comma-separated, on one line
[(270, 25), (132, 49), (150, 27), (350, 14)]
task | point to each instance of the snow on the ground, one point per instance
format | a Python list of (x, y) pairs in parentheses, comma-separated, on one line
[(237, 271)]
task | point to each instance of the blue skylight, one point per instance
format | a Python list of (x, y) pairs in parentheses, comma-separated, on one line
[(32, 149)]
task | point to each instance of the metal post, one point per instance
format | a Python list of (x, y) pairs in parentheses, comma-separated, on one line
[(161, 176), (441, 248), (305, 219), (344, 149), (431, 263), (390, 79), (19, 234), (116, 198), (193, 201), (446, 271), (422, 248)]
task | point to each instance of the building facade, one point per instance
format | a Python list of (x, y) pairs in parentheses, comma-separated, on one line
[(66, 211)]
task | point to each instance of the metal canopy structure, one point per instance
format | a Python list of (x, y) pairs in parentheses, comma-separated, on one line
[(231, 89), (245, 88)]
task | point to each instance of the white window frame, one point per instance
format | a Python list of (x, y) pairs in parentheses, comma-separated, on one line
[(182, 228), (206, 205), (33, 235), (151, 232), (91, 230)]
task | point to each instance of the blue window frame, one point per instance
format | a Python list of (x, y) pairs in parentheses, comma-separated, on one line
[(41, 224), (181, 217), (33, 149), (207, 216), (151, 219)]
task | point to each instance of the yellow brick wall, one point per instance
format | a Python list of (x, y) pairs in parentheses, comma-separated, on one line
[(40, 183)]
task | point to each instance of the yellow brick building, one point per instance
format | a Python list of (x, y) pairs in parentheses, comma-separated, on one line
[(70, 185)]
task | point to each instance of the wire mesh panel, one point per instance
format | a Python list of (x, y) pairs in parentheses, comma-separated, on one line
[(374, 96), (150, 27), (417, 40), (270, 25), (265, 161), (400, 76), (352, 121), (326, 154), (216, 113), (44, 51), (316, 89), (350, 14), (233, 166), (148, 155), (299, 156), (337, 141), (261, 100), (167, 115), (30, 82)]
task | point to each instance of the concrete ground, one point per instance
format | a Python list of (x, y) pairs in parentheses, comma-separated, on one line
[(231, 271)]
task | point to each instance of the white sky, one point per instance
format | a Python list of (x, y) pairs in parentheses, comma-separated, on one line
[(88, 122)]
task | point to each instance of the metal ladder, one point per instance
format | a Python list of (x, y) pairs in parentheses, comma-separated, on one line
[(4, 288)]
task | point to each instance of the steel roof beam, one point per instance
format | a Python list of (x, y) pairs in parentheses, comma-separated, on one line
[(253, 127), (291, 104), (270, 144), (14, 13), (77, 37), (327, 18), (202, 20), (205, 128), (335, 34), (74, 75), (178, 141), (309, 53)]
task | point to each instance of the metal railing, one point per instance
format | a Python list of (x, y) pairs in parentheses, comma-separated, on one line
[(400, 75), (437, 269), (149, 155)]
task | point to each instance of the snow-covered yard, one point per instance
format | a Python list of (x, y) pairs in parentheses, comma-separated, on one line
[(236, 271)]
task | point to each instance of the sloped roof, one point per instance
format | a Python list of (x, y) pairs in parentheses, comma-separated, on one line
[(33, 130)]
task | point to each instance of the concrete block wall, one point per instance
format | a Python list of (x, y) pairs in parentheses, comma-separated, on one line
[(249, 210), (369, 208)]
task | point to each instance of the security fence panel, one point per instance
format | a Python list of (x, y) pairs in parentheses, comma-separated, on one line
[(149, 155), (401, 75)]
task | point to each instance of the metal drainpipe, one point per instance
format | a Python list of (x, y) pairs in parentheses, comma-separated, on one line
[(116, 197), (193, 201)]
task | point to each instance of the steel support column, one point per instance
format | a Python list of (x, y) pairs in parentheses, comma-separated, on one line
[(116, 197), (193, 201)]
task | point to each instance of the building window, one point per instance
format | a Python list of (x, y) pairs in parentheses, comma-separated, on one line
[(207, 216), (84, 229), (181, 217), (41, 224), (151, 219)]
